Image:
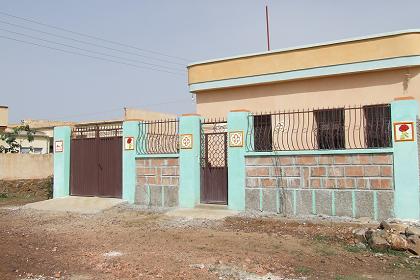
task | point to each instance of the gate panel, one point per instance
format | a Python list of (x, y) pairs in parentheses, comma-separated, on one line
[(83, 167), (96, 160), (214, 170), (110, 167)]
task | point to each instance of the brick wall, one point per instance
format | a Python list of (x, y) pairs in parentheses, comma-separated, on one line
[(364, 171), (344, 185), (157, 182)]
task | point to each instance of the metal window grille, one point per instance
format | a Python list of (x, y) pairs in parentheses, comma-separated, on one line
[(357, 127), (378, 126), (158, 137)]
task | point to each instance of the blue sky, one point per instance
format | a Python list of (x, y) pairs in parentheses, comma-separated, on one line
[(40, 83)]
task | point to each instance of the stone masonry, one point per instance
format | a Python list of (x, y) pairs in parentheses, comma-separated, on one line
[(157, 182), (343, 185)]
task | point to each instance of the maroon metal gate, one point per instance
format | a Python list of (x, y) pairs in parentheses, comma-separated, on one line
[(214, 170), (96, 160)]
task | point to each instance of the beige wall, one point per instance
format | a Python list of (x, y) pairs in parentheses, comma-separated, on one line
[(352, 89), (348, 52), (4, 116), (25, 166), (137, 114)]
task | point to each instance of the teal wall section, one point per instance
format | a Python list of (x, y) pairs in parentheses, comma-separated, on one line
[(237, 121), (62, 162), (130, 128), (406, 165), (189, 163)]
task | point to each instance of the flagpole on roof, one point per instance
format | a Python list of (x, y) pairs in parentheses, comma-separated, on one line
[(267, 27)]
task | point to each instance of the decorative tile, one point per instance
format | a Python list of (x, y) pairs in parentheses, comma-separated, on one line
[(186, 141), (59, 146), (403, 131), (129, 143), (236, 139)]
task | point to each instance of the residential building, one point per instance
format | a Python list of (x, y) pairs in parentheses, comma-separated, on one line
[(43, 138), (366, 70)]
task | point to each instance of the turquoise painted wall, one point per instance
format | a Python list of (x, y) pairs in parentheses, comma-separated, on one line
[(237, 121), (406, 164), (189, 163), (61, 186), (130, 128)]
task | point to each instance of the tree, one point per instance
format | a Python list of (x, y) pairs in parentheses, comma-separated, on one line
[(8, 139)]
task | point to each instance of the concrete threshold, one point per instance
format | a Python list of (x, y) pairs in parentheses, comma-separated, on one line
[(76, 204), (203, 211), (212, 206)]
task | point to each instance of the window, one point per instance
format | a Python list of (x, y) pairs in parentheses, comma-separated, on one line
[(25, 150), (377, 126), (37, 150), (330, 129), (263, 139), (30, 150)]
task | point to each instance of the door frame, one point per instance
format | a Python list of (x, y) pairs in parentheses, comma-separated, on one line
[(217, 176)]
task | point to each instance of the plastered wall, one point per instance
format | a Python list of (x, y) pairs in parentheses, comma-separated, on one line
[(25, 166), (356, 89)]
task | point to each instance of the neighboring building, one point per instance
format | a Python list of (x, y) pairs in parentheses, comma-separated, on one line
[(4, 117), (136, 114), (43, 138), (361, 71)]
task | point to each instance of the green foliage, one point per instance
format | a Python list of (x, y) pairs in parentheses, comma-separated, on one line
[(9, 138), (354, 249), (321, 238), (49, 187), (389, 251), (349, 277), (303, 270)]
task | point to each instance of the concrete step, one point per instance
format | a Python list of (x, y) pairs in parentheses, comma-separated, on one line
[(201, 213), (211, 206)]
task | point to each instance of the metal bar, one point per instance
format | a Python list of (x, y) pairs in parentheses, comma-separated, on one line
[(355, 127)]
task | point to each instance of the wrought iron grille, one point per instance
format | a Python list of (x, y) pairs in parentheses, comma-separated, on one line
[(213, 143), (321, 129), (100, 130), (158, 137)]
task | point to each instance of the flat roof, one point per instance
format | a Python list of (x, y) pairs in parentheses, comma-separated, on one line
[(347, 40)]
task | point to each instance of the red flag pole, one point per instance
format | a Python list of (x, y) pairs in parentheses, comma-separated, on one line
[(268, 28)]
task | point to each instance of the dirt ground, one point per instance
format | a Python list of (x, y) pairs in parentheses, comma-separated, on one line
[(129, 243), (18, 192)]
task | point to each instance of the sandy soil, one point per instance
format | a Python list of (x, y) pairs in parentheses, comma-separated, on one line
[(126, 243)]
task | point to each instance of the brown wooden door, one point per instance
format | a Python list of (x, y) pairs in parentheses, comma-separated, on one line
[(214, 170), (96, 166)]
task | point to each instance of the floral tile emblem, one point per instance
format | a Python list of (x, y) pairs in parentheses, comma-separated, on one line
[(236, 139), (129, 143), (186, 141), (404, 131)]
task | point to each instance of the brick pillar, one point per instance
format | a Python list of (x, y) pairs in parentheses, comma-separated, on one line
[(130, 129), (62, 138), (189, 160), (406, 165), (237, 131)]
